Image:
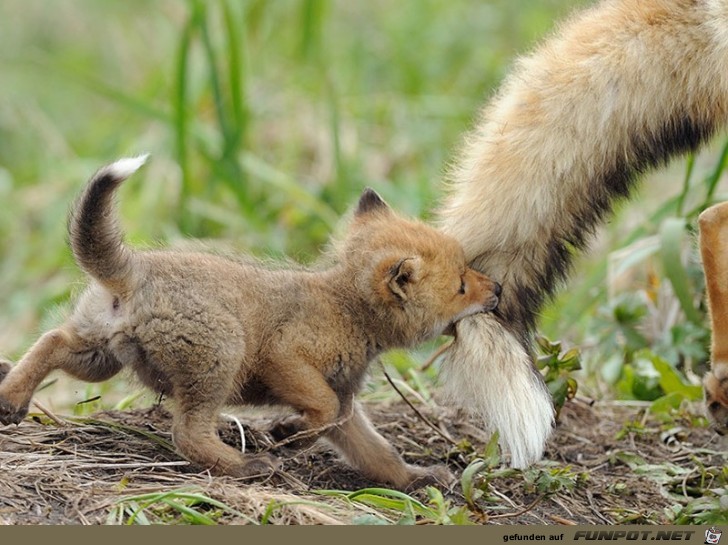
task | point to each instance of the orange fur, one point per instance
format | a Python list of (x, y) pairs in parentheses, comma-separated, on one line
[(713, 225)]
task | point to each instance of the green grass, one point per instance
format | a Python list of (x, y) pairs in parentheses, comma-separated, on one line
[(172, 507)]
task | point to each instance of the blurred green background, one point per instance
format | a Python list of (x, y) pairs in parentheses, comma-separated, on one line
[(265, 119)]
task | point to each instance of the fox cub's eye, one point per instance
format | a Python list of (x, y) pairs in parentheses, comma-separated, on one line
[(461, 291)]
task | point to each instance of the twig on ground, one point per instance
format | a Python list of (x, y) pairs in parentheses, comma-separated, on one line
[(417, 412), (594, 509), (46, 411), (523, 511), (562, 520)]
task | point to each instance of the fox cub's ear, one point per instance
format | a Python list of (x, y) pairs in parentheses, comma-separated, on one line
[(370, 201), (401, 276)]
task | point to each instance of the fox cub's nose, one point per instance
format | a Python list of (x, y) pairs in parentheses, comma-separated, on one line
[(497, 289)]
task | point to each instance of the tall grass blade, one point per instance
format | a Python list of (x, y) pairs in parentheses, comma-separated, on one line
[(384, 498), (192, 516), (714, 177), (180, 99), (672, 233), (235, 29), (312, 16), (689, 167), (214, 76)]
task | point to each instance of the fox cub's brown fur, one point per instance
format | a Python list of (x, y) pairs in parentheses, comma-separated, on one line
[(713, 224), (209, 331)]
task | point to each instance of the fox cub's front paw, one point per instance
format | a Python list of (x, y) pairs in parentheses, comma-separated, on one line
[(428, 476), (10, 414)]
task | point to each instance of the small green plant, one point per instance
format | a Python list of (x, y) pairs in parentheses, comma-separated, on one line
[(649, 377), (710, 509), (553, 480), (631, 427), (472, 492), (558, 367), (474, 479), (484, 468)]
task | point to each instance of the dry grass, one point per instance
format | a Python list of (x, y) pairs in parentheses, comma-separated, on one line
[(606, 464)]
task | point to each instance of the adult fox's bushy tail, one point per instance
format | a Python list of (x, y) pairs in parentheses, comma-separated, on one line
[(619, 89), (95, 236)]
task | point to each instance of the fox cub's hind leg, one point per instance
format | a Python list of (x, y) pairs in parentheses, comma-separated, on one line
[(60, 349), (369, 452), (713, 224), (198, 398), (194, 432)]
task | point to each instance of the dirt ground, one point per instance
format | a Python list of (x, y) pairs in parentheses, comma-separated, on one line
[(606, 463)]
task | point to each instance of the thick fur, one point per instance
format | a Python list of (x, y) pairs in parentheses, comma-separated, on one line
[(209, 331), (619, 89), (713, 225)]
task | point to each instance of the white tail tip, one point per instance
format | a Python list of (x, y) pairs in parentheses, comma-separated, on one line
[(123, 168), (487, 372)]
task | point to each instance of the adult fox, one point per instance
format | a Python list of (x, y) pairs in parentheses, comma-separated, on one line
[(621, 88), (713, 224)]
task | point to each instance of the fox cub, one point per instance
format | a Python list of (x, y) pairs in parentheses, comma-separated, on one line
[(713, 226), (209, 331)]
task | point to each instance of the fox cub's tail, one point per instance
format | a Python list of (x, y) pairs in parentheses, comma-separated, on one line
[(95, 236), (620, 89)]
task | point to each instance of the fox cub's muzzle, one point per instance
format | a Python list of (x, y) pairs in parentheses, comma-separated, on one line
[(492, 300), (483, 290)]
